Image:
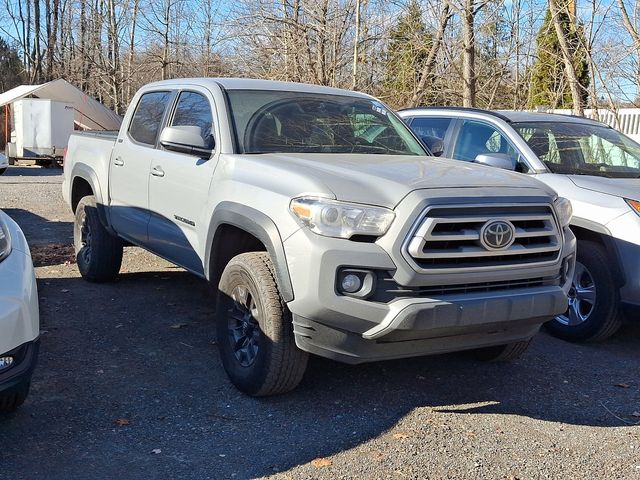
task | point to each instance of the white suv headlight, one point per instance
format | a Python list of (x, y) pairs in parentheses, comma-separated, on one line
[(5, 241), (339, 219), (564, 211), (634, 204)]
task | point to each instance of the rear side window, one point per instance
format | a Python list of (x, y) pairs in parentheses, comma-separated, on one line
[(430, 126), (478, 138), (194, 109), (148, 117)]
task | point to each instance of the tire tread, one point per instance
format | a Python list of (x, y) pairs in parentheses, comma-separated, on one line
[(106, 249), (287, 363)]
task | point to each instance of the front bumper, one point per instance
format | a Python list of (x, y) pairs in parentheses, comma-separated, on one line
[(25, 358), (355, 330), (625, 233)]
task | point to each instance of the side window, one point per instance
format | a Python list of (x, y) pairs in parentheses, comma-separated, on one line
[(430, 126), (193, 109), (147, 118), (477, 138)]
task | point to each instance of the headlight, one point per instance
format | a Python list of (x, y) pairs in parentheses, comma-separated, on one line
[(564, 211), (5, 241), (634, 204), (342, 220)]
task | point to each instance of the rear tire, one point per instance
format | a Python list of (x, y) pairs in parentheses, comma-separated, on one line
[(2, 170), (98, 253), (502, 353), (255, 329), (594, 310), (13, 398)]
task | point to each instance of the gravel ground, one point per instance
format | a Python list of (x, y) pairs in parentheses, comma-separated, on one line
[(130, 386)]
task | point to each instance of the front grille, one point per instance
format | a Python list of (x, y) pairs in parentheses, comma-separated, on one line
[(449, 238), (388, 290)]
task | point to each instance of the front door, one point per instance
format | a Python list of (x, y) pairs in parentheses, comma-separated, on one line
[(130, 165), (179, 187)]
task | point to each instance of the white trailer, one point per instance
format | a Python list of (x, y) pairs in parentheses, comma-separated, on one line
[(40, 118), (41, 130)]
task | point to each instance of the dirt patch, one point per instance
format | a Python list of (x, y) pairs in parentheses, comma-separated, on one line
[(52, 254)]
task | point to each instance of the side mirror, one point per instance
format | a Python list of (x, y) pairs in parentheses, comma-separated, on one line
[(185, 139), (499, 160), (434, 144)]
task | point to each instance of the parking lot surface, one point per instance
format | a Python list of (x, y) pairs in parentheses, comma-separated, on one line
[(129, 386)]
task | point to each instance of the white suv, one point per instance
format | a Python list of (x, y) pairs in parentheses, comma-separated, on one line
[(588, 162), (19, 316)]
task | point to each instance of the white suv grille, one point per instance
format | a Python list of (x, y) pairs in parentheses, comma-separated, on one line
[(450, 237)]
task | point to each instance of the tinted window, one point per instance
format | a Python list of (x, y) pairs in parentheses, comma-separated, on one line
[(193, 109), (278, 121), (477, 138), (148, 117), (431, 126), (582, 148)]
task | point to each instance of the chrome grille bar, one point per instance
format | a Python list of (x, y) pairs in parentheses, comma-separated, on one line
[(449, 237)]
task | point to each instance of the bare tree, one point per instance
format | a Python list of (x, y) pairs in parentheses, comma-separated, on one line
[(426, 75), (567, 57)]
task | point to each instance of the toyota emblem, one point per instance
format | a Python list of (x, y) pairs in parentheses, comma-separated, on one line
[(497, 235)]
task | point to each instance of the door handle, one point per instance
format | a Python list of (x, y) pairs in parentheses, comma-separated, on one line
[(157, 172), (118, 162)]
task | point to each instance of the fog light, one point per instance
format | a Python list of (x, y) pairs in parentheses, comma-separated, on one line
[(5, 362), (355, 282), (351, 283)]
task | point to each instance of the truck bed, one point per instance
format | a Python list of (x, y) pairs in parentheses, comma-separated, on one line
[(91, 149)]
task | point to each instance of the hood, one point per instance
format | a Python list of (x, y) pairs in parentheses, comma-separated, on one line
[(619, 187), (385, 180)]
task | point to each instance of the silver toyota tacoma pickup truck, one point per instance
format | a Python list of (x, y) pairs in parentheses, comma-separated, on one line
[(324, 225)]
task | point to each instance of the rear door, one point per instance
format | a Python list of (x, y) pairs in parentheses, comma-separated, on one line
[(179, 185), (130, 164)]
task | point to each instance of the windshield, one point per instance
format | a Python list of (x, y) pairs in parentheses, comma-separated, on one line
[(298, 122), (582, 149)]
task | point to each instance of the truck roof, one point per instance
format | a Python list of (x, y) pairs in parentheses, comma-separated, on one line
[(507, 115), (255, 84)]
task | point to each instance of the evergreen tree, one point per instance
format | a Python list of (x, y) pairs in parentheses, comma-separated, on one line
[(11, 68), (409, 44), (549, 86)]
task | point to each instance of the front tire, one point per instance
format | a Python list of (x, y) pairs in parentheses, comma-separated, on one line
[(255, 329), (98, 253), (594, 299)]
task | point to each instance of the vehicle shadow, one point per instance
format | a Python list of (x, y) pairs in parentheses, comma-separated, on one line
[(41, 232), (31, 171), (133, 366)]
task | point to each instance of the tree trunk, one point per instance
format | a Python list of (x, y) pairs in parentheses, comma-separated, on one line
[(165, 40), (132, 39), (356, 45), (37, 52), (426, 74), (569, 68), (468, 55), (114, 58)]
